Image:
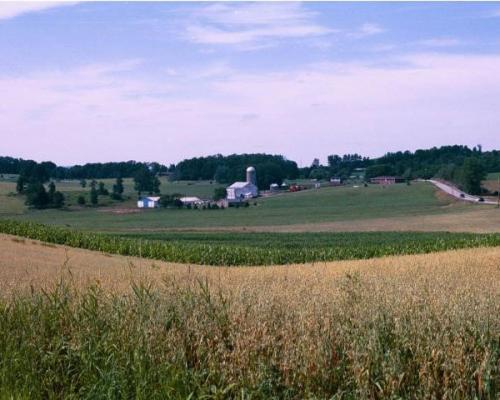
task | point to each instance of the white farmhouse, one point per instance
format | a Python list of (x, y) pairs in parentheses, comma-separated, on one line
[(148, 202), (241, 191)]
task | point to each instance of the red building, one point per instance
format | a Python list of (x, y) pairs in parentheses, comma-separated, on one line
[(386, 180)]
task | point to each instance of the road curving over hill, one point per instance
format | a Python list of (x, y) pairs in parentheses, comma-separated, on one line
[(457, 193)]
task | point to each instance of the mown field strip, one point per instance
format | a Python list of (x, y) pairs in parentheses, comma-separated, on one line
[(255, 249)]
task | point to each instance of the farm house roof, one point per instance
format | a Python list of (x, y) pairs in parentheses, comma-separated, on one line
[(240, 185)]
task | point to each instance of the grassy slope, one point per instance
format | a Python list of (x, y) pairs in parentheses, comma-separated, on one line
[(491, 182), (308, 207), (72, 189), (400, 327)]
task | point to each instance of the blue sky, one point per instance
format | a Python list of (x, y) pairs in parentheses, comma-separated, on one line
[(165, 81)]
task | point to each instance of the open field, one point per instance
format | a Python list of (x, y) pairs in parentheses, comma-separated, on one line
[(367, 207), (418, 207), (410, 327), (72, 189)]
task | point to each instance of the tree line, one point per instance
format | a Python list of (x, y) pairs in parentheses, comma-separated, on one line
[(48, 169), (459, 164), (462, 165), (232, 168)]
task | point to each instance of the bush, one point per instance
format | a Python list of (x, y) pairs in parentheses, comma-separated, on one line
[(81, 200)]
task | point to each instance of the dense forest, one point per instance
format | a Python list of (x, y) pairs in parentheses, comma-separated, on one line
[(228, 169), (453, 163), (9, 165)]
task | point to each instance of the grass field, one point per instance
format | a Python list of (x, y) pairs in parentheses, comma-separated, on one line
[(409, 327), (400, 207), (311, 207), (72, 189)]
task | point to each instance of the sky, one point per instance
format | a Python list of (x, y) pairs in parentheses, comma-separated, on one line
[(96, 82)]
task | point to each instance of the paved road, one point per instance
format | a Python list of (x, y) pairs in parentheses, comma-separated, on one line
[(453, 191)]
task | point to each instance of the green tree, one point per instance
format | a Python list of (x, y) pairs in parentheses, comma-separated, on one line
[(52, 191), (170, 200), (94, 197), (101, 189), (146, 181), (20, 185), (472, 174), (219, 193), (118, 189), (222, 174), (83, 183), (57, 200), (81, 200), (36, 195)]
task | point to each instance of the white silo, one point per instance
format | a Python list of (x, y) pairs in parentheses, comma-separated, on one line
[(251, 175)]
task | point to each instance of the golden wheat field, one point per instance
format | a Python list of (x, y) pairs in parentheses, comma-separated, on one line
[(419, 326)]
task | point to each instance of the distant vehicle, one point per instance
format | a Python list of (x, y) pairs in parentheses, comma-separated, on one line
[(481, 199), (296, 188), (462, 195)]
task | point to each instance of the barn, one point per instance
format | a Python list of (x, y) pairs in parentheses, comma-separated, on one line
[(386, 180), (148, 202), (241, 191)]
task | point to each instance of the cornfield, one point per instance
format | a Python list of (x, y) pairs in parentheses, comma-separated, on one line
[(415, 327), (255, 249)]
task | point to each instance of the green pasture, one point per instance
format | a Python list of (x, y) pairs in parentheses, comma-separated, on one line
[(13, 204), (327, 204)]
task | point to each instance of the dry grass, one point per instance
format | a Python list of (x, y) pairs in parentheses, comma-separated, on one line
[(25, 263), (420, 326), (475, 218)]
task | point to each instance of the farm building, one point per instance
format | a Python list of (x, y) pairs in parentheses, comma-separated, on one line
[(241, 191), (335, 181), (386, 180), (148, 202), (191, 200)]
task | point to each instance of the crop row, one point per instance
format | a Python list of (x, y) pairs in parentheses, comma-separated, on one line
[(251, 249)]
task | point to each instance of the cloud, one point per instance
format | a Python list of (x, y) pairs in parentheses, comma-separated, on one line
[(367, 29), (413, 101), (251, 24), (440, 42), (13, 9)]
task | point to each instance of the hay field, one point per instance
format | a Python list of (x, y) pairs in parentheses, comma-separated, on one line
[(413, 327)]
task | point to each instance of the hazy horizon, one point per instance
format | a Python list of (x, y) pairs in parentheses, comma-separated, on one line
[(97, 82)]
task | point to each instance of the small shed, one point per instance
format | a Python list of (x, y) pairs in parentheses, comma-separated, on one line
[(191, 200), (148, 202)]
